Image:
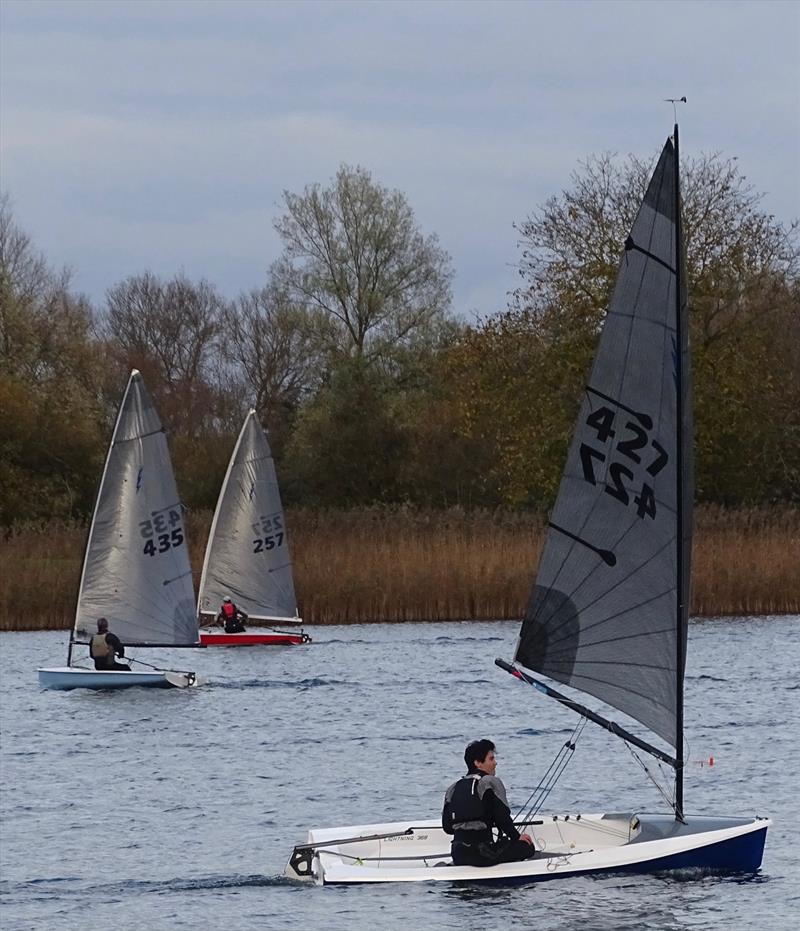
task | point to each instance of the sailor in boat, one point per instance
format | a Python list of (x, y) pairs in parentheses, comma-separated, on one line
[(104, 647), (231, 617), (476, 804)]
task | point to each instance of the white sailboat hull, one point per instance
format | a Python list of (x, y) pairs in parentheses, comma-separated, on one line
[(567, 845), (73, 677)]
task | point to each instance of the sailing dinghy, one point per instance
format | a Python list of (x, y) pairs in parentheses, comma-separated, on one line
[(247, 557), (608, 615), (136, 570)]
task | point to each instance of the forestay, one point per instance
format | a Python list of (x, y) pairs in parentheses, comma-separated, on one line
[(247, 557), (136, 570), (605, 615)]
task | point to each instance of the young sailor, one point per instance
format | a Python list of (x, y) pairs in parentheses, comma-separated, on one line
[(104, 647), (474, 805)]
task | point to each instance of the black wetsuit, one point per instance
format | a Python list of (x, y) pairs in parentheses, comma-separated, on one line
[(474, 805)]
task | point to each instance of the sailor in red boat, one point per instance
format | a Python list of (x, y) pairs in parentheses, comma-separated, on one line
[(104, 647), (476, 804), (231, 617)]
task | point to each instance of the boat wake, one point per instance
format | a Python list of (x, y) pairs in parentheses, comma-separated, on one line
[(71, 886), (300, 684)]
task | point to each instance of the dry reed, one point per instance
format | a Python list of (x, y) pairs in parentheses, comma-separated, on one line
[(406, 565)]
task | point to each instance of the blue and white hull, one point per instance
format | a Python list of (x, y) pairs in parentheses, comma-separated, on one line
[(74, 677), (577, 845)]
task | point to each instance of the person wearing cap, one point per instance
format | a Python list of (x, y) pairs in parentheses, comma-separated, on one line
[(105, 647), (231, 617), (475, 805)]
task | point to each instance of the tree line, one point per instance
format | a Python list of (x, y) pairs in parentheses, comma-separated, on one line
[(374, 388)]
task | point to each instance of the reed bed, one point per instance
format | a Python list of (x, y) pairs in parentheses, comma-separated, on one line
[(408, 565)]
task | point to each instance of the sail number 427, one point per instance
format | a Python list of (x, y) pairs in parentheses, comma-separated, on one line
[(636, 448)]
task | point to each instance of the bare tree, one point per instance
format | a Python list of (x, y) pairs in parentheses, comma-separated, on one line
[(735, 252), (353, 253), (271, 340), (24, 270), (29, 290), (170, 330)]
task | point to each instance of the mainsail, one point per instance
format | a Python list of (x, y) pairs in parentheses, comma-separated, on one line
[(247, 557), (136, 570), (609, 609)]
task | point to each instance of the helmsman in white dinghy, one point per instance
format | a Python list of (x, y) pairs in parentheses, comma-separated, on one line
[(608, 614), (136, 577), (105, 647), (474, 806)]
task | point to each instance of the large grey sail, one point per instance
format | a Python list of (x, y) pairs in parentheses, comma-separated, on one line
[(136, 570), (604, 615), (247, 557)]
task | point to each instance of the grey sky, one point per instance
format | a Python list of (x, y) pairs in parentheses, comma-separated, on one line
[(140, 135)]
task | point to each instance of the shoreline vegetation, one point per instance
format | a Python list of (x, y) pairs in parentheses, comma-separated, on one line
[(379, 565)]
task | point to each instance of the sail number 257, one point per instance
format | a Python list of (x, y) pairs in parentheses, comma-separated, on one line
[(636, 448), (270, 533)]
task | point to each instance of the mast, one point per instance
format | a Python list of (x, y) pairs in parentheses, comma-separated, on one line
[(681, 607)]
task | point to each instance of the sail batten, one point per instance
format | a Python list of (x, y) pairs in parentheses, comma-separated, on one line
[(603, 616), (247, 556)]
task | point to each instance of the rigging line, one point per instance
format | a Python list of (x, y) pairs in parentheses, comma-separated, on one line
[(546, 782), (611, 617), (662, 792), (141, 608), (624, 690), (649, 321), (613, 662), (633, 571), (569, 597), (133, 439), (536, 799), (594, 680), (606, 555), (632, 246), (568, 649), (548, 787), (570, 742)]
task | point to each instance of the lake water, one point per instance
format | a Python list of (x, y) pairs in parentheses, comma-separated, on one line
[(178, 809)]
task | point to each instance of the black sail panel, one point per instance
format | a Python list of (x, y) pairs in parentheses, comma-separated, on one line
[(603, 615)]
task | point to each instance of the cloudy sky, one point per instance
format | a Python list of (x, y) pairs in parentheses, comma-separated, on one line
[(160, 135)]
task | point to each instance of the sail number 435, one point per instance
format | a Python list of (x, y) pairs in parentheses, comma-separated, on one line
[(637, 448), (162, 533)]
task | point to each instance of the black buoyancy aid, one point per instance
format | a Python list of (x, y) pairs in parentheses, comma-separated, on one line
[(100, 648), (466, 806)]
